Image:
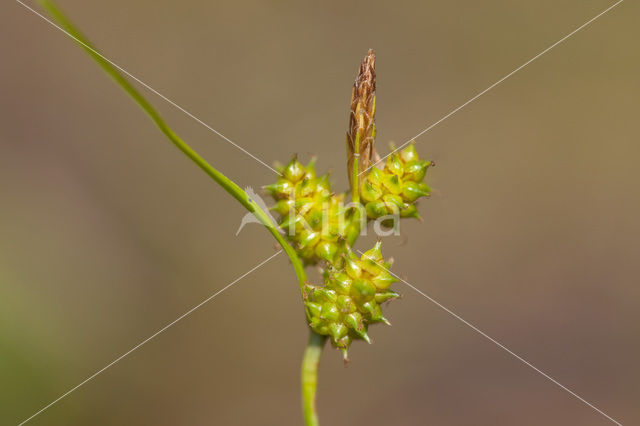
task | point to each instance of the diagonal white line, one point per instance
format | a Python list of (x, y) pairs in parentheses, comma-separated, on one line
[(151, 89), (495, 84), (190, 311), (501, 346)]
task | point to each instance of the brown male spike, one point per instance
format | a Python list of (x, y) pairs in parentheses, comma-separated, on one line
[(361, 133)]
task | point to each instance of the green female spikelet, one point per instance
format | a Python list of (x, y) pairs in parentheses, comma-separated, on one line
[(350, 299), (396, 188), (311, 216)]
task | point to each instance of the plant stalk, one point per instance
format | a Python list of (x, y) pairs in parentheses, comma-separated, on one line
[(309, 377), (355, 178)]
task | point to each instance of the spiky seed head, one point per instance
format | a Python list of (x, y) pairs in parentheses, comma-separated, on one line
[(351, 296), (314, 218), (397, 187)]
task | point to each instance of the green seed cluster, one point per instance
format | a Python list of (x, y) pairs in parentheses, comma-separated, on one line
[(313, 218), (322, 230), (350, 300), (396, 188)]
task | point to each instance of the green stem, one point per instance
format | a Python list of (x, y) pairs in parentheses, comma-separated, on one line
[(355, 186), (310, 377), (231, 187)]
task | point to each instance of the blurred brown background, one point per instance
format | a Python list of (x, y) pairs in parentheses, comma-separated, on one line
[(107, 232)]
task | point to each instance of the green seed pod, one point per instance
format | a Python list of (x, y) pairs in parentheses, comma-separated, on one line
[(294, 171), (409, 153), (282, 207), (415, 170), (281, 189), (410, 211), (411, 191), (326, 250), (392, 183), (393, 202), (370, 192), (386, 296), (394, 165), (350, 299), (375, 209)]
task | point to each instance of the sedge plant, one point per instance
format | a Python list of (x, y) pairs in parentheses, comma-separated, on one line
[(316, 226)]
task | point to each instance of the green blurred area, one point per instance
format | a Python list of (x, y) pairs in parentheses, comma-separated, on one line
[(107, 233)]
